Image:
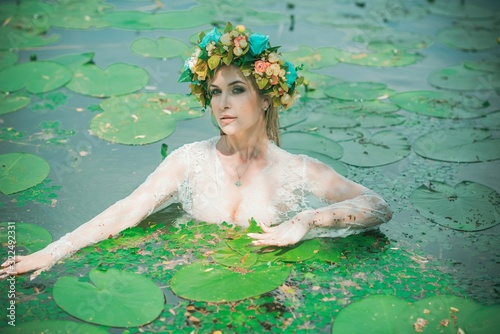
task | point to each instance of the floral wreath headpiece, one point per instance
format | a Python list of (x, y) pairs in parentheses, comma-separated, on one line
[(252, 53)]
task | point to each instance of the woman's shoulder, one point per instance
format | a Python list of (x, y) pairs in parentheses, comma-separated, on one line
[(197, 146)]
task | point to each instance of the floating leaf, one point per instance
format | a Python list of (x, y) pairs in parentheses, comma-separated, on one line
[(29, 236), (469, 39), (328, 251), (311, 142), (380, 149), (358, 91), (373, 314), (469, 206), (73, 61), (463, 78), (133, 126), (163, 47), (216, 283), (461, 10), (484, 66), (404, 40), (7, 59), (484, 320), (12, 102), (116, 298), (37, 77), (458, 145), (228, 257), (440, 104), (18, 39), (313, 58), (20, 171), (316, 84), (80, 15), (491, 121), (381, 55), (116, 79), (54, 326)]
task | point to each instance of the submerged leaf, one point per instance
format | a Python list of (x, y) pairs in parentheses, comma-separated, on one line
[(469, 206), (29, 236), (116, 298)]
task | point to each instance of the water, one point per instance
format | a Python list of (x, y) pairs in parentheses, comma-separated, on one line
[(109, 171)]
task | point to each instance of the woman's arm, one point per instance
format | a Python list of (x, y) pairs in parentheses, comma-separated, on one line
[(353, 206), (159, 187)]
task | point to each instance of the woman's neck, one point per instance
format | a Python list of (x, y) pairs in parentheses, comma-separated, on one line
[(245, 147)]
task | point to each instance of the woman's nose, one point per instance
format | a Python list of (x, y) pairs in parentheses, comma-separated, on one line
[(224, 101)]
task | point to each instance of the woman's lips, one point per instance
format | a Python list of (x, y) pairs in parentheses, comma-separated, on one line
[(226, 119)]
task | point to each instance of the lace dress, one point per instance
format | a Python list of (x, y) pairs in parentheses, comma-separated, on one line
[(193, 176)]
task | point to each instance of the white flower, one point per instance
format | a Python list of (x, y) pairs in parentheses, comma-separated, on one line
[(273, 57), (286, 99), (275, 68), (237, 51), (225, 39), (243, 43)]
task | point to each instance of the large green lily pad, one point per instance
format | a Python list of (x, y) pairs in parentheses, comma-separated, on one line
[(464, 78), (484, 320), (441, 104), (29, 236), (314, 84), (7, 59), (402, 40), (380, 55), (133, 126), (74, 61), (382, 148), (20, 171), (458, 145), (461, 9), (53, 326), (116, 79), (80, 15), (311, 142), (36, 77), (114, 298), (18, 39), (12, 102), (313, 58), (358, 91), (216, 283), (491, 121), (468, 38), (469, 206), (163, 47)]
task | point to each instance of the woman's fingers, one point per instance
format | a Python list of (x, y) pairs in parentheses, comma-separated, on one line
[(8, 263)]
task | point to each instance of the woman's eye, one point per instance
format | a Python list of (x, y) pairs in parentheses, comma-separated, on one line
[(215, 91), (238, 90)]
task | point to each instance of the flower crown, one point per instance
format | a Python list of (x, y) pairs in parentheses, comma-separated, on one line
[(252, 53)]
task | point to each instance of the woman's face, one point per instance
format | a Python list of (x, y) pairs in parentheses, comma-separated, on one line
[(236, 104)]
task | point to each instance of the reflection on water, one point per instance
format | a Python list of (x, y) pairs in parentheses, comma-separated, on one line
[(94, 173)]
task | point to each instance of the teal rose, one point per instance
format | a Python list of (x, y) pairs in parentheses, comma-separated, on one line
[(291, 74), (258, 43), (212, 36)]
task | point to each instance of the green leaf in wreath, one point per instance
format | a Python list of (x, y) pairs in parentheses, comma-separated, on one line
[(113, 298), (468, 206), (20, 171)]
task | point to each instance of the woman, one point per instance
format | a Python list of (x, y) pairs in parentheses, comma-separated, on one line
[(240, 174)]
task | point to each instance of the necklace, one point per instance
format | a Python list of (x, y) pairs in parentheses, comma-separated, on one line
[(238, 183)]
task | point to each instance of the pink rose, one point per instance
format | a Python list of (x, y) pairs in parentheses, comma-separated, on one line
[(237, 41), (274, 80), (261, 66)]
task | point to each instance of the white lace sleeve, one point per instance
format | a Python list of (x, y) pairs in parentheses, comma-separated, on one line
[(349, 207), (159, 187)]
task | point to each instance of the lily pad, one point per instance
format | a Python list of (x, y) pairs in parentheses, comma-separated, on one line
[(404, 40), (380, 55), (73, 61), (210, 282), (31, 237), (133, 126), (464, 78), (12, 102), (80, 15), (373, 314), (116, 298), (20, 171), (311, 142), (441, 104), (18, 39), (358, 91), (313, 58), (484, 320), (54, 326), (458, 145), (469, 206), (7, 59), (36, 77), (492, 66), (461, 9), (116, 79), (491, 121), (469, 39), (380, 149), (230, 258), (316, 84), (163, 47)]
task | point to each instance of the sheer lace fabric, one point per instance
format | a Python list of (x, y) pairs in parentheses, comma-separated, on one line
[(194, 177)]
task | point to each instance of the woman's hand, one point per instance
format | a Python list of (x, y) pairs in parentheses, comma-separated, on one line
[(38, 261), (284, 234)]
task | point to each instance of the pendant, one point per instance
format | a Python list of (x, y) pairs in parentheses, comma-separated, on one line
[(238, 183)]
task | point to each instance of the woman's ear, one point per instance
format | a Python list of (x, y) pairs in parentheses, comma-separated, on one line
[(265, 104)]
